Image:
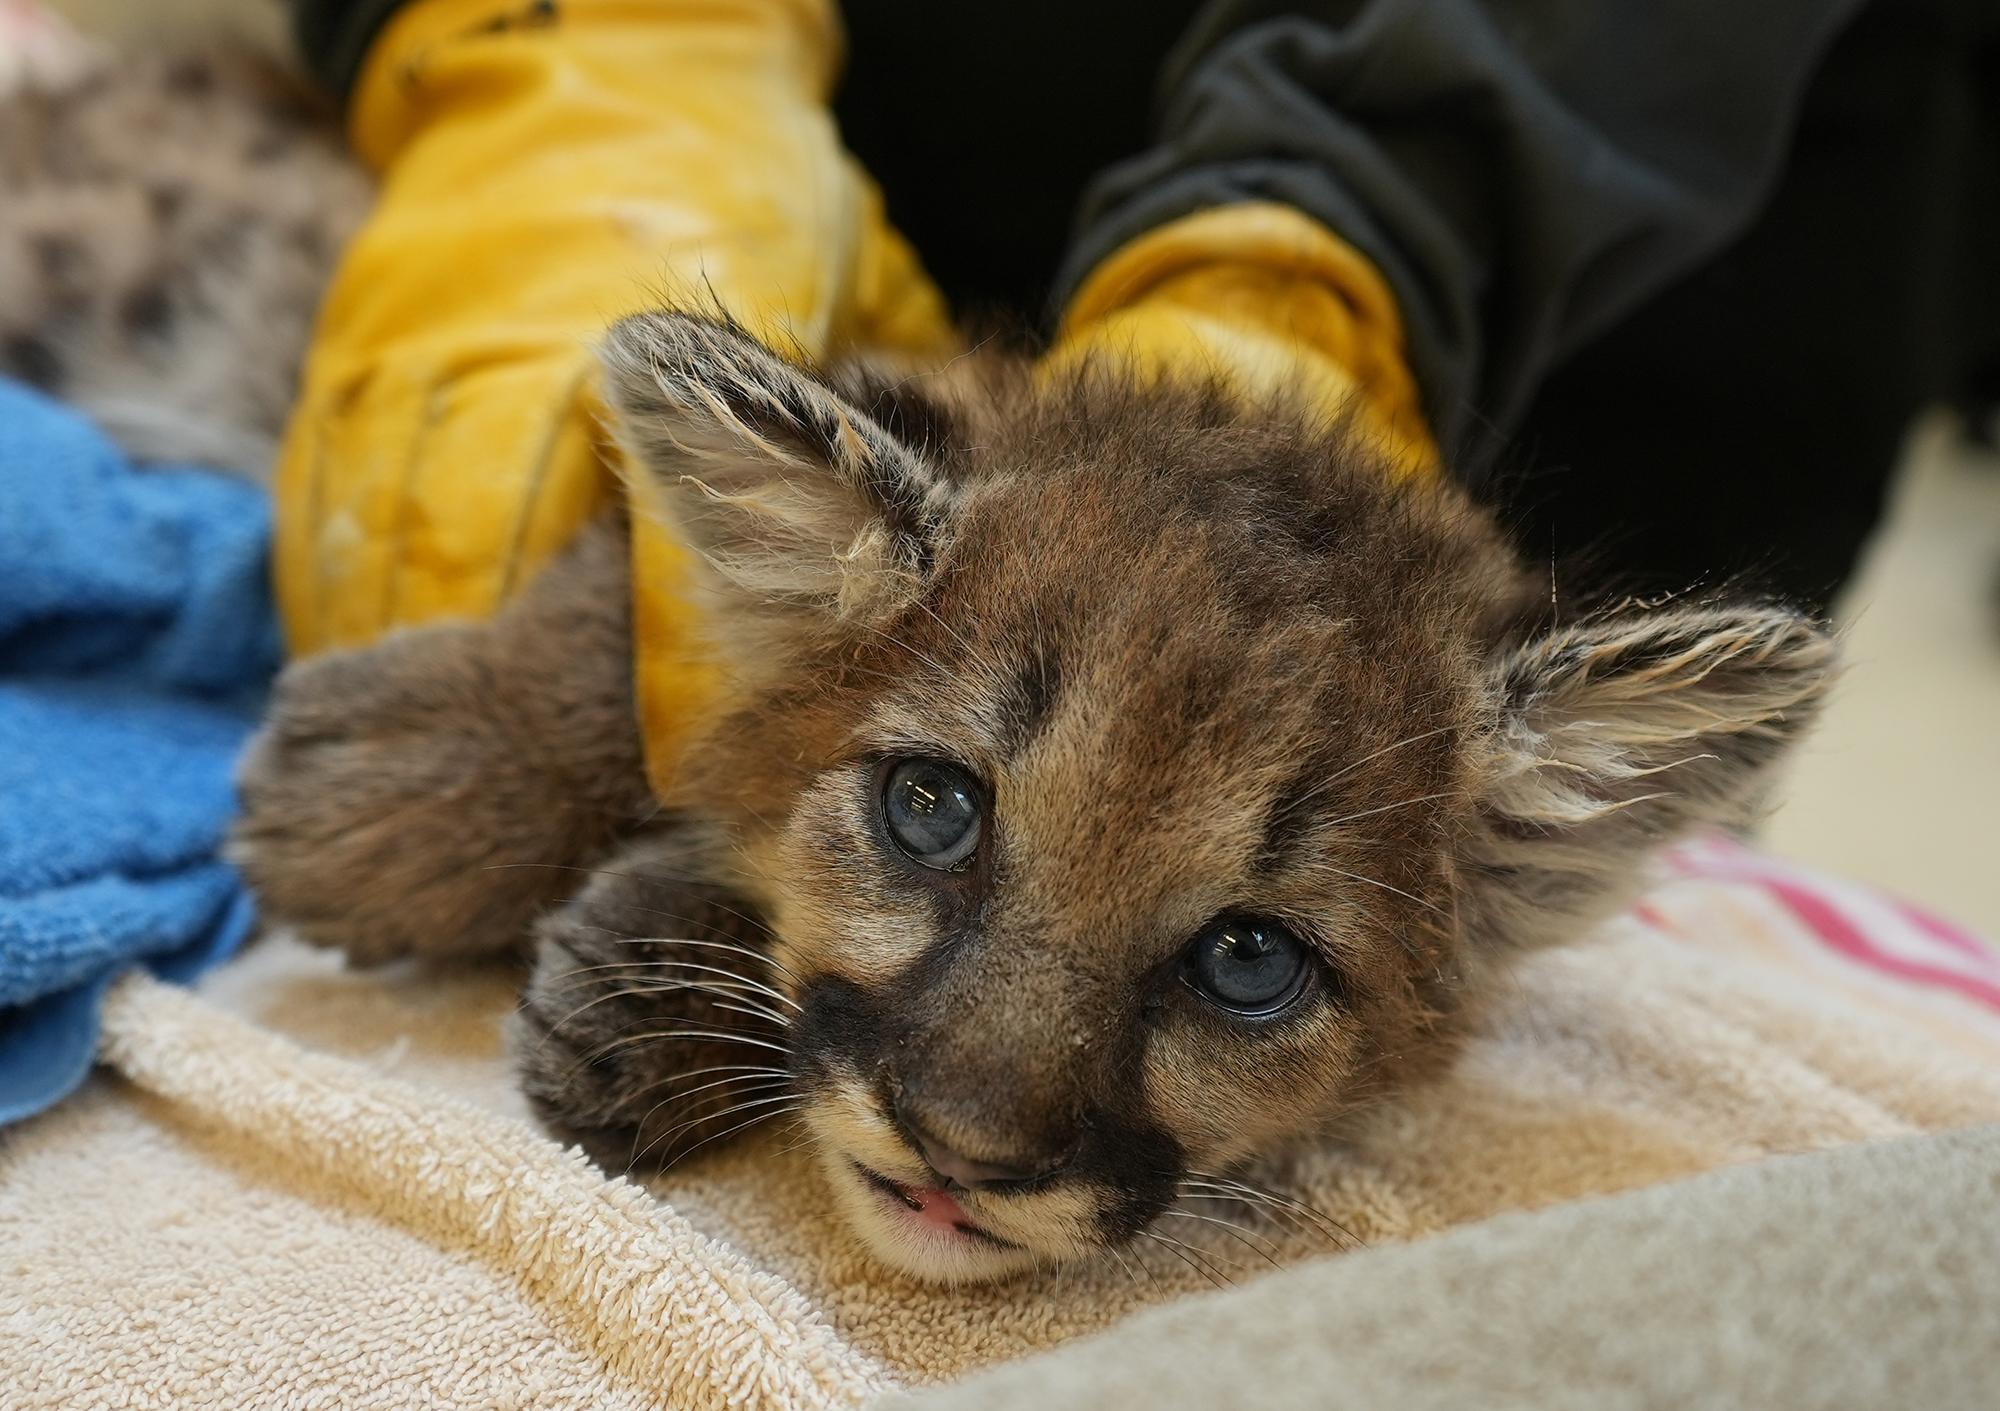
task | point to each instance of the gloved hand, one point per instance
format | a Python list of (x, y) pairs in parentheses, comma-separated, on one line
[(1269, 300), (545, 171)]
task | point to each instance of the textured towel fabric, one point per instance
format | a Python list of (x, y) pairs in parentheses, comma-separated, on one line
[(353, 1213), (136, 636), (1853, 1278)]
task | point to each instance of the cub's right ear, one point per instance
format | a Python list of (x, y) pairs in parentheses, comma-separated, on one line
[(809, 514)]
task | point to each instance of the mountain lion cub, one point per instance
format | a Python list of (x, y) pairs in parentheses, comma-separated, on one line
[(1113, 784)]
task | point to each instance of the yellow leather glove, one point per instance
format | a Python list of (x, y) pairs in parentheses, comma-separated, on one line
[(1269, 300), (547, 170)]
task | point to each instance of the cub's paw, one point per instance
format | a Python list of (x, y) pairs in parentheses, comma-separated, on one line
[(434, 793), (382, 803), (656, 1022)]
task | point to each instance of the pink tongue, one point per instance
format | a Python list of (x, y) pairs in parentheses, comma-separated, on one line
[(938, 1208)]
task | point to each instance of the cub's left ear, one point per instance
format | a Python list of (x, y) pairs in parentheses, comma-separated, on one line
[(1619, 732), (809, 514)]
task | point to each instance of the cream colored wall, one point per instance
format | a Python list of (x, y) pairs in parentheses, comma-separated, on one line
[(1902, 785)]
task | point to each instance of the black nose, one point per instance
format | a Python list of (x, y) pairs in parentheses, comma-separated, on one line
[(961, 1170)]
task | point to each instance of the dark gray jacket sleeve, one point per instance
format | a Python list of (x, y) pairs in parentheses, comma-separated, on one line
[(1523, 172)]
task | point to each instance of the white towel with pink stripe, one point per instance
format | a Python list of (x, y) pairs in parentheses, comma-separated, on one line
[(1718, 894)]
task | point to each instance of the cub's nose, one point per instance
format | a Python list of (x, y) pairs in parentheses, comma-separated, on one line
[(970, 1172)]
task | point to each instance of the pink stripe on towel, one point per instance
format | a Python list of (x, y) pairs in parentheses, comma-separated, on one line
[(1924, 949), (1825, 919)]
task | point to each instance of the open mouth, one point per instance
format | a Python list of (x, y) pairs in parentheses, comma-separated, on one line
[(930, 1207)]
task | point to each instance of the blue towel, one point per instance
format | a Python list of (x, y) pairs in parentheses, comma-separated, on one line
[(136, 640)]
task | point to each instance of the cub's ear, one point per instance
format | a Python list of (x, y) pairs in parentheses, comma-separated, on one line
[(1619, 732), (809, 514)]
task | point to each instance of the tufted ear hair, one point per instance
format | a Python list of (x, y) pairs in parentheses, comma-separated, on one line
[(809, 514), (1619, 732)]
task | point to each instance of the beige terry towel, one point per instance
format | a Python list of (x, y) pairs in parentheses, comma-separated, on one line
[(239, 1221), (1862, 1277)]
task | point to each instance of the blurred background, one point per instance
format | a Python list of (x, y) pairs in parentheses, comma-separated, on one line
[(1901, 786)]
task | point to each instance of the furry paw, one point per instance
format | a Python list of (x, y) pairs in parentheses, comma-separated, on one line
[(387, 809), (434, 793), (655, 1023)]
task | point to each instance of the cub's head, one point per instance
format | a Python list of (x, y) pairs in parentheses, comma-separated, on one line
[(1134, 785)]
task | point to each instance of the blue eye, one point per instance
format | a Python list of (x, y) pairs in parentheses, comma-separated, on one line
[(1247, 965), (933, 812)]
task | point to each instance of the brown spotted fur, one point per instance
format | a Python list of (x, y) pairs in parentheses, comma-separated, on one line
[(166, 226)]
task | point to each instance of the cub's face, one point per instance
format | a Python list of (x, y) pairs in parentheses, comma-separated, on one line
[(1133, 786), (1120, 853)]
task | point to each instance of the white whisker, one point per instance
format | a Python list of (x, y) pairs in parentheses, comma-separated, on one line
[(723, 1036), (1226, 1186), (699, 1118), (760, 1117), (1355, 764), (721, 996), (624, 939), (1378, 882), (761, 1085), (1238, 1232), (1389, 808), (654, 965), (1187, 1254), (730, 975)]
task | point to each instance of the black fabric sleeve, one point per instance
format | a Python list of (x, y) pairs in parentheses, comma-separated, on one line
[(1523, 172), (333, 37)]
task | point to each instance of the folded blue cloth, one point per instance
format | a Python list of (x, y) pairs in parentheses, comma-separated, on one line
[(136, 640)]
